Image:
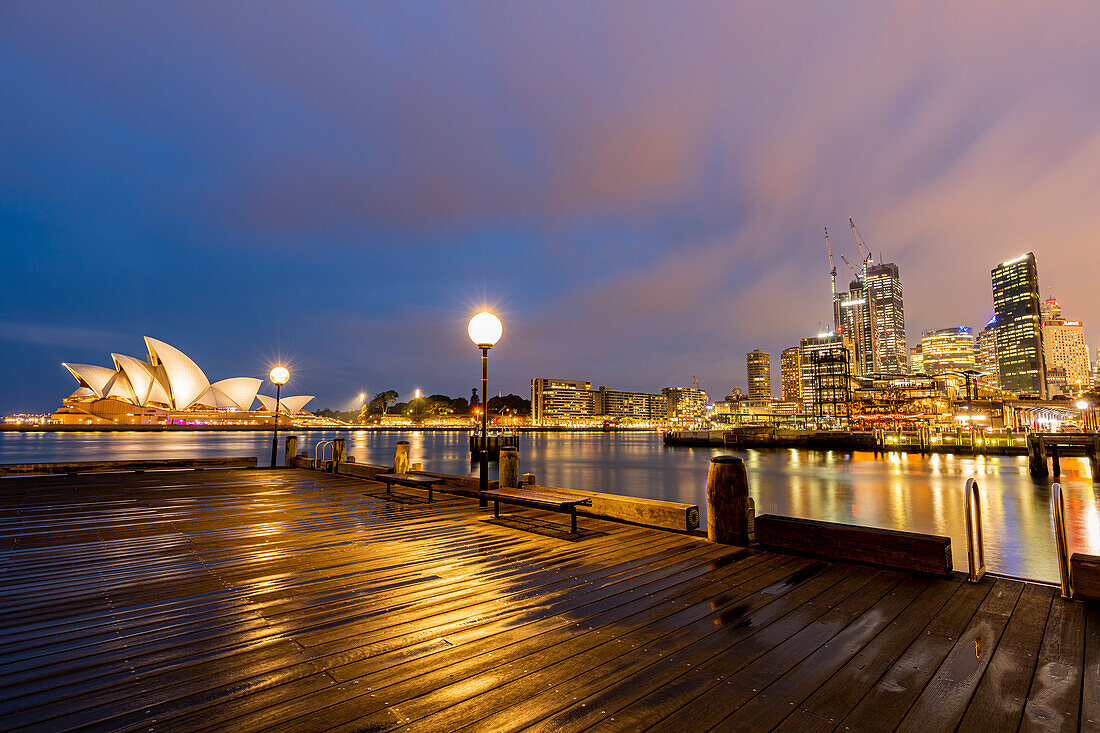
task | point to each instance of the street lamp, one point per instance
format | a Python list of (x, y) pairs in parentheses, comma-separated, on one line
[(279, 376), (485, 330), (1084, 406)]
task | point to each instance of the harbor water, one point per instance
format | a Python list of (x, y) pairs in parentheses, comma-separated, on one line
[(895, 491)]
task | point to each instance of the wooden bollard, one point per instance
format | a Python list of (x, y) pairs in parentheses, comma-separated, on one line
[(729, 509), (401, 457), (509, 468), (291, 450), (527, 479), (416, 466), (339, 453)]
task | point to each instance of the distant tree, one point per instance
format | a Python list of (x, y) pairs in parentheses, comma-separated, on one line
[(400, 408), (460, 406), (474, 401), (510, 404), (382, 401)]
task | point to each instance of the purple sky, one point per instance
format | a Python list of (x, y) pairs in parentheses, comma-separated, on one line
[(639, 189)]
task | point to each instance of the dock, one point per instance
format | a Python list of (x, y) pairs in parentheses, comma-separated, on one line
[(294, 600)]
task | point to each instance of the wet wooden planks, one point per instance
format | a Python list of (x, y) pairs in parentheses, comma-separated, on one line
[(292, 600)]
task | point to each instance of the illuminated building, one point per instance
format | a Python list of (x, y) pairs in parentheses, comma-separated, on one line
[(883, 287), (1019, 338), (947, 349), (857, 327), (638, 406), (760, 374), (561, 401), (685, 404), (169, 388), (1065, 352), (916, 360), (1050, 310), (826, 375), (790, 373), (987, 354)]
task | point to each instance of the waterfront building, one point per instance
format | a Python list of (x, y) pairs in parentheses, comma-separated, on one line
[(760, 374), (637, 406), (916, 360), (167, 389), (1065, 352), (1019, 336), (987, 354), (887, 316), (556, 401), (790, 373), (827, 361), (685, 405), (948, 349)]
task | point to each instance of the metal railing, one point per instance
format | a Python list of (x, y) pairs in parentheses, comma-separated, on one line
[(319, 450), (975, 544), (1060, 539)]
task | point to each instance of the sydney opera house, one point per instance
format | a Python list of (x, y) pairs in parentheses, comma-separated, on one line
[(168, 389)]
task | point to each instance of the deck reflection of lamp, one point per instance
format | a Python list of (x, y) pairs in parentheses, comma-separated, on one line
[(485, 330), (279, 376), (1084, 406)]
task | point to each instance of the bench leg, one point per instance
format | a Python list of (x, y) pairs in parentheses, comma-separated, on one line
[(429, 494), (496, 509), (573, 519)]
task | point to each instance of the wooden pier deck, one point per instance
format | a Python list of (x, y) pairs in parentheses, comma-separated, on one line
[(289, 600)]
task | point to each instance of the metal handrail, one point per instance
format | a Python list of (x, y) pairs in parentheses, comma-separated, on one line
[(319, 450), (975, 545), (1060, 539)]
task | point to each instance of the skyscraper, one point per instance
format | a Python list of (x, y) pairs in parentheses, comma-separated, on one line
[(1064, 351), (760, 374), (883, 288), (1019, 338), (790, 372), (826, 375), (857, 326), (987, 354), (947, 349)]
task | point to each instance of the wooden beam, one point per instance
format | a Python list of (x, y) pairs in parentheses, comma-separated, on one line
[(74, 467)]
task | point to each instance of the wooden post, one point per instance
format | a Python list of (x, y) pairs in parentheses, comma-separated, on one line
[(527, 479), (339, 453), (1036, 459), (509, 467), (729, 509), (401, 457), (416, 466), (1094, 460), (1055, 463), (291, 450)]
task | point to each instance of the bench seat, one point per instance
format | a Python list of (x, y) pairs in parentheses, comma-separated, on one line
[(537, 499), (412, 480)]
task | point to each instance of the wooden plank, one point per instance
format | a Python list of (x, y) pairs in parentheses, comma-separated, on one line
[(1085, 573), (1053, 703), (72, 467), (1090, 688), (882, 547), (998, 703)]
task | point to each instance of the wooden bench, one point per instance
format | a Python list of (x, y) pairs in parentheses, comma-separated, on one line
[(413, 480), (1085, 574), (537, 499)]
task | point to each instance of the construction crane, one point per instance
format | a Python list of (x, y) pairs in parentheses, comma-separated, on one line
[(850, 268), (860, 244), (832, 274), (696, 380)]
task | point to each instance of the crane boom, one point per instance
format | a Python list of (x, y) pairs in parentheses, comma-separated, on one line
[(849, 264), (860, 243), (832, 275)]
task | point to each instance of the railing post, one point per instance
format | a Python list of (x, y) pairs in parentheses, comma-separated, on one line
[(975, 543), (401, 457), (730, 514), (1060, 540)]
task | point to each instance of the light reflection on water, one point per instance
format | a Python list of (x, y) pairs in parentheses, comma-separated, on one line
[(898, 491)]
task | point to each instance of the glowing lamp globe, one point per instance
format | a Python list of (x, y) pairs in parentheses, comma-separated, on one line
[(1082, 405), (279, 375), (485, 329)]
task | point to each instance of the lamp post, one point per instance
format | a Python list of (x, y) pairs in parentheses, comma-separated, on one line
[(485, 330), (279, 376), (1085, 409)]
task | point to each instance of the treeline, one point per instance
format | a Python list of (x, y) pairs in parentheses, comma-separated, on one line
[(436, 405)]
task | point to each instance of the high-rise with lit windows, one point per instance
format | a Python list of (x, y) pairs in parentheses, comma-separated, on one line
[(1065, 352), (987, 355), (760, 374), (1019, 336), (948, 350), (883, 288), (790, 373)]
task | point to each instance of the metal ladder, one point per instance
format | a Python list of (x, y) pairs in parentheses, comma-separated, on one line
[(975, 545), (319, 450), (1060, 539)]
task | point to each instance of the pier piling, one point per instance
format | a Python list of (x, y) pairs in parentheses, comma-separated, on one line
[(339, 453), (729, 508), (509, 467), (401, 457), (291, 450)]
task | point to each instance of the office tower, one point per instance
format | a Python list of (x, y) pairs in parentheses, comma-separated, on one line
[(987, 355), (760, 374), (826, 374), (916, 360), (1019, 338), (1065, 352), (790, 374), (561, 400), (618, 404), (1050, 309), (948, 350), (685, 404), (882, 285), (856, 324)]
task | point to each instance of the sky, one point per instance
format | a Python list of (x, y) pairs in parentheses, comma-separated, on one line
[(638, 189)]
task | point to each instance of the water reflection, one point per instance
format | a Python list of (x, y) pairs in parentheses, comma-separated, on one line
[(898, 491)]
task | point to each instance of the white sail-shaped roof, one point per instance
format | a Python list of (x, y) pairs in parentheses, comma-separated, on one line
[(119, 387), (207, 398), (95, 378), (185, 381), (290, 405), (240, 391), (142, 379)]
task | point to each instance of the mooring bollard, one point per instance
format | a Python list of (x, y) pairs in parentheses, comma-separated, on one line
[(729, 509), (339, 453), (509, 468), (416, 466), (401, 457), (527, 479), (291, 450)]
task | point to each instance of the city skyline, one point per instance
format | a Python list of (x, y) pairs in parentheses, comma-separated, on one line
[(642, 207)]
